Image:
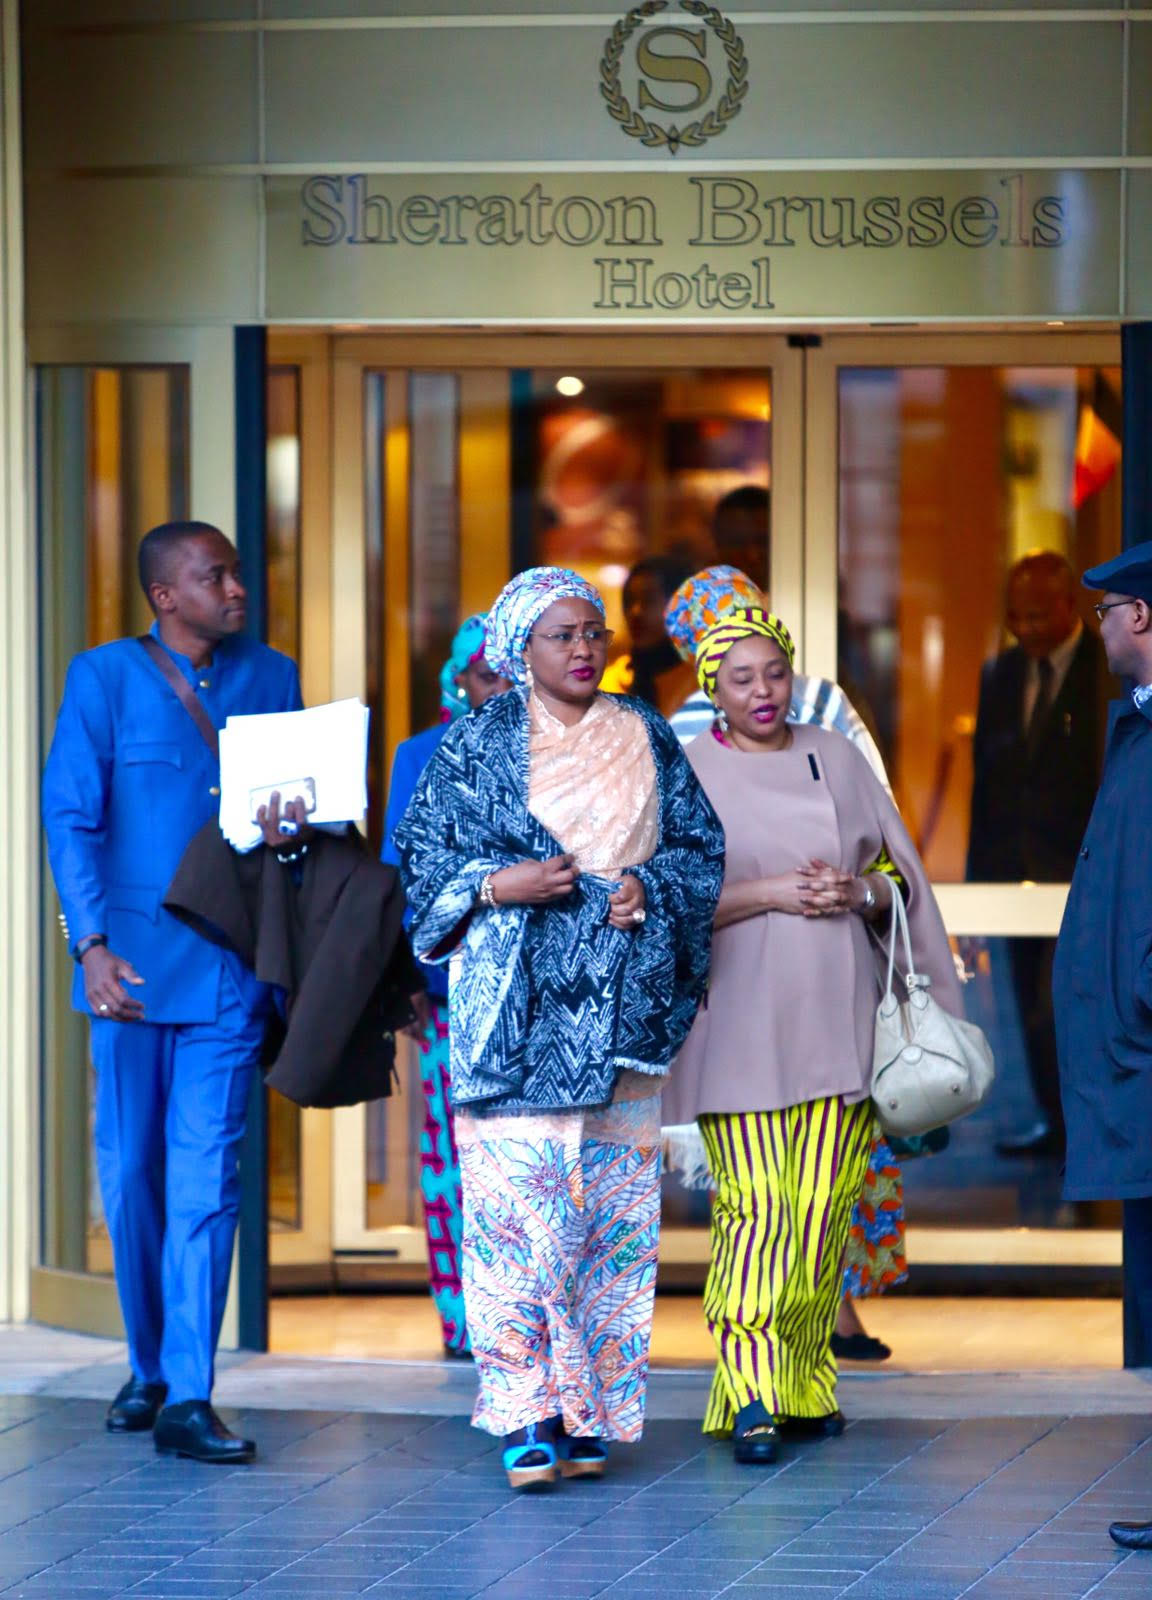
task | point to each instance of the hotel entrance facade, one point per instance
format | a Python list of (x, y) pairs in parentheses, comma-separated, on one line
[(410, 303)]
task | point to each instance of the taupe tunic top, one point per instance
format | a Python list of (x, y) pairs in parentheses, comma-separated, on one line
[(792, 1000)]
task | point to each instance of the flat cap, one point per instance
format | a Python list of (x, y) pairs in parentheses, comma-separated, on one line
[(1128, 573)]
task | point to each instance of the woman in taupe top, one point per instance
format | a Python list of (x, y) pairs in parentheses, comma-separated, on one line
[(777, 1067)]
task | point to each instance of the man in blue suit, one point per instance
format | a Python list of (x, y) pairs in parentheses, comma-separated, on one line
[(177, 1022)]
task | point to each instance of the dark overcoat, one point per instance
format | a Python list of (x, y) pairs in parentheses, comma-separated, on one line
[(329, 937), (1102, 981)]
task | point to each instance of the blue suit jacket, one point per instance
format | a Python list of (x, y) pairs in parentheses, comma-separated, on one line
[(408, 764), (128, 782)]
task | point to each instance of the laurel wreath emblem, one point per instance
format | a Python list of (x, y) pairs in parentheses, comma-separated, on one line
[(635, 123)]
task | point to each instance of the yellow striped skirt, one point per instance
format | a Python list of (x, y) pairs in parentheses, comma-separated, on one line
[(786, 1183)]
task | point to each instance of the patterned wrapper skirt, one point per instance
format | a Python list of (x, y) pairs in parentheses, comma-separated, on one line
[(440, 1183), (561, 1227), (875, 1259)]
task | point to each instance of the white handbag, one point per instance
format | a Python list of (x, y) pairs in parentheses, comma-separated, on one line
[(928, 1067)]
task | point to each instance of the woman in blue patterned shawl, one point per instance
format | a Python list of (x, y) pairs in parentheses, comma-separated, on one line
[(559, 853)]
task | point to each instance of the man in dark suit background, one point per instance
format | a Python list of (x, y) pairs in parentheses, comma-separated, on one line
[(1036, 764)]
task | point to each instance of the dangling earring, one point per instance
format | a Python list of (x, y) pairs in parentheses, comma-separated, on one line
[(722, 719), (528, 675), (461, 692)]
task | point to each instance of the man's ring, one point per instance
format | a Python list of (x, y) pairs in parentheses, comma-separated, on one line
[(102, 1008), (639, 916)]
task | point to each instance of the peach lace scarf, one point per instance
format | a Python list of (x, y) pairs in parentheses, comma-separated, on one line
[(593, 786)]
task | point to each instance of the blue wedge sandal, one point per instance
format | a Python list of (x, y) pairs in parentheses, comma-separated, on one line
[(581, 1458), (530, 1457)]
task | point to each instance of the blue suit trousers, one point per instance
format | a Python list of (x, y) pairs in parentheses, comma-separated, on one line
[(171, 1101)]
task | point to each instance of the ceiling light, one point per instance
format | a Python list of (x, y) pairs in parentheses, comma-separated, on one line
[(569, 386)]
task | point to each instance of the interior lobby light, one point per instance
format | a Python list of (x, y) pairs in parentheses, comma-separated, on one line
[(570, 386)]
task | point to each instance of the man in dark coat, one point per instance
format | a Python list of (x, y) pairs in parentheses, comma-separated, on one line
[(1036, 760), (1103, 970)]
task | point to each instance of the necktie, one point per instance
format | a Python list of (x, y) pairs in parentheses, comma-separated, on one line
[(1042, 704)]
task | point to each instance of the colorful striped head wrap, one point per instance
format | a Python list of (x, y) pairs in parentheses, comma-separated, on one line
[(746, 622), (467, 647), (700, 603), (520, 605)]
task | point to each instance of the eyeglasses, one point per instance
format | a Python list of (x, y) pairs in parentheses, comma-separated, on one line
[(565, 638), (1102, 606)]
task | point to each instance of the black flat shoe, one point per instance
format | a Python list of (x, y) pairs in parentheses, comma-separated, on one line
[(193, 1429), (755, 1439), (829, 1427), (859, 1347), (135, 1407), (1039, 1140), (455, 1352), (1132, 1535)]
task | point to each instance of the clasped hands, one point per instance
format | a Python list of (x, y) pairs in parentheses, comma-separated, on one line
[(539, 883), (818, 889)]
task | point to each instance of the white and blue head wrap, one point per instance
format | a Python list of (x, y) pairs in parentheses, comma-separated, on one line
[(520, 605)]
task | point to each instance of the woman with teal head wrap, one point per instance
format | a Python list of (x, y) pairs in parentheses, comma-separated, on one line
[(465, 662), (466, 681)]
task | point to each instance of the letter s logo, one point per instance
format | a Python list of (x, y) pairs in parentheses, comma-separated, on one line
[(674, 68)]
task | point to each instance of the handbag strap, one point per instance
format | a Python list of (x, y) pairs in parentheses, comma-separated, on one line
[(899, 929), (182, 689)]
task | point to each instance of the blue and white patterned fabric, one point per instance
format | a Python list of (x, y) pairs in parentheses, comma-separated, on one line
[(550, 1003), (520, 605), (815, 700)]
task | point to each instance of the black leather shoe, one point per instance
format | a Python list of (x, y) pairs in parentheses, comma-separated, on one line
[(1039, 1140), (194, 1430), (829, 1427), (859, 1347), (1132, 1535), (134, 1408), (754, 1437)]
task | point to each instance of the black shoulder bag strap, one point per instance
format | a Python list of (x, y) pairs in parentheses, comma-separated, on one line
[(183, 691)]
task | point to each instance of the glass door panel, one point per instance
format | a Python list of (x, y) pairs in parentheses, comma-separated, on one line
[(471, 470), (954, 460), (298, 547), (112, 460)]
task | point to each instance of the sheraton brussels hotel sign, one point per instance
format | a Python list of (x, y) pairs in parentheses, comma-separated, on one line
[(673, 243)]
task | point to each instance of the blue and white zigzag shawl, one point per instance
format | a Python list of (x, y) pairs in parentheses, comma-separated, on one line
[(550, 1003)]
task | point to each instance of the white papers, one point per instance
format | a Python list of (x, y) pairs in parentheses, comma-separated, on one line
[(327, 744)]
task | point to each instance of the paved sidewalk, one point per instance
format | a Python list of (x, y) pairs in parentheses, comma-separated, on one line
[(404, 1502)]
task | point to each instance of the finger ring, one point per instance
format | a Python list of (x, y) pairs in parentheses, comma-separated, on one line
[(101, 1008), (639, 916)]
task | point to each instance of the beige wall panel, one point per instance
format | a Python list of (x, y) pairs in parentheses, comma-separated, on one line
[(150, 11), (539, 8), (1139, 295), (155, 98), (1140, 91), (933, 89), (175, 250)]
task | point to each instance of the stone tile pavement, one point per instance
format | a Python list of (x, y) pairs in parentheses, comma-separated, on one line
[(400, 1498)]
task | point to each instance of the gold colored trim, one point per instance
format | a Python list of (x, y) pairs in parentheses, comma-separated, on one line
[(75, 1300), (485, 488), (312, 354), (397, 564), (959, 1247)]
